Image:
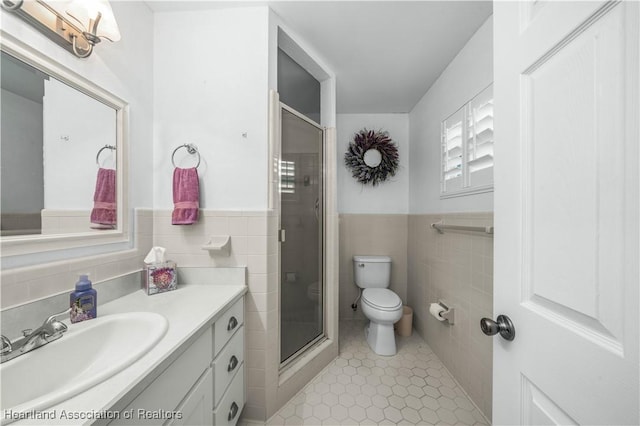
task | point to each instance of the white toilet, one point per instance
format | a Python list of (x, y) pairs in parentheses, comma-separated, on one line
[(380, 305)]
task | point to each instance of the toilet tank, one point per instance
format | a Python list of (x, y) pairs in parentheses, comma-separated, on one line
[(372, 271)]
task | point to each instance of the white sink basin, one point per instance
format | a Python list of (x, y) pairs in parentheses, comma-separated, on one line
[(87, 354)]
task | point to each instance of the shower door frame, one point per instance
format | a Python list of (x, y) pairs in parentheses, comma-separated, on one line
[(283, 365)]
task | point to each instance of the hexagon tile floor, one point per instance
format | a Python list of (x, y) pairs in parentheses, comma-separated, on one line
[(362, 388)]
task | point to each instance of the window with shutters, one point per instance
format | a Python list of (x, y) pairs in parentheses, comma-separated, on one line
[(287, 177), (467, 148)]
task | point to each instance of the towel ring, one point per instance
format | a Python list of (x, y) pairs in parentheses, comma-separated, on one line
[(111, 147), (191, 149)]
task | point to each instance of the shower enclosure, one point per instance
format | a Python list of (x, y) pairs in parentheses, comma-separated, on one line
[(302, 287)]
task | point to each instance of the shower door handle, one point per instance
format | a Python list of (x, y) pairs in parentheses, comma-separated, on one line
[(282, 235)]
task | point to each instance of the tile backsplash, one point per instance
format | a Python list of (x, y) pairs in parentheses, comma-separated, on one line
[(27, 284), (31, 315)]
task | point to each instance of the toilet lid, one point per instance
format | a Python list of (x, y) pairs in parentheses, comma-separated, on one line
[(381, 298)]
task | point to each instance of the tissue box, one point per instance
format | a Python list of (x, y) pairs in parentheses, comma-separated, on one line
[(160, 277)]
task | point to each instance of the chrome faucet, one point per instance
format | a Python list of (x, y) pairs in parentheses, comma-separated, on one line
[(49, 331)]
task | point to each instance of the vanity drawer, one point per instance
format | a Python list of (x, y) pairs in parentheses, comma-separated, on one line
[(230, 407), (227, 325), (228, 362)]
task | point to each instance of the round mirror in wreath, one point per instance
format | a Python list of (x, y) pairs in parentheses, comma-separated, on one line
[(372, 157)]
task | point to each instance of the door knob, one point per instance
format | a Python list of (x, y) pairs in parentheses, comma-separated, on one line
[(503, 325)]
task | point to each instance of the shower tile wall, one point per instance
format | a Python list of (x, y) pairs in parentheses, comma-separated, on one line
[(456, 267), (371, 234)]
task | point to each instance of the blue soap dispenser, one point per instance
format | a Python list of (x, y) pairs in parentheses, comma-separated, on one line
[(84, 301)]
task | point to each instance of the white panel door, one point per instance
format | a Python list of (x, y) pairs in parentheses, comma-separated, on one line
[(567, 212)]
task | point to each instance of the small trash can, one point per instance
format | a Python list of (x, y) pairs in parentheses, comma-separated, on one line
[(404, 326)]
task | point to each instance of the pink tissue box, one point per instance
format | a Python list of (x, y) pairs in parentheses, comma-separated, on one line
[(160, 277)]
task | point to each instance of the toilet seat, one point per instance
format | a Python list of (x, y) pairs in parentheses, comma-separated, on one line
[(382, 299)]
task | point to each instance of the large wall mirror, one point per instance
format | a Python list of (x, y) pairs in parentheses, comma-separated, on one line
[(62, 151)]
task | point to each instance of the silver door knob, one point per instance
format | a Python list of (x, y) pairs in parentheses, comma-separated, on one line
[(502, 325)]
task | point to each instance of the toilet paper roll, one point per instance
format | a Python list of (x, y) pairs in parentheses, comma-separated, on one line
[(435, 309)]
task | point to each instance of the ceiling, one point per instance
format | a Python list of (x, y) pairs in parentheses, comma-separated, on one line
[(385, 54)]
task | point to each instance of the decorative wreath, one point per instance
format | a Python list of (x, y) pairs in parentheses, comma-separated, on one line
[(364, 141)]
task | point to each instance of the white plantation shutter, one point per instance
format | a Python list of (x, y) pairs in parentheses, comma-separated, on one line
[(467, 148), (452, 151), (480, 142)]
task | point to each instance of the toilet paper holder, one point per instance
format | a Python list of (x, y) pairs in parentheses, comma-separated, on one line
[(449, 313)]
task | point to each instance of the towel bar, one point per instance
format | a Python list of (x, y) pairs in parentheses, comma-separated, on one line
[(191, 149), (441, 226), (111, 147)]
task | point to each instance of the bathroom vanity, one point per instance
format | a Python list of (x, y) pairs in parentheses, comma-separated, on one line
[(194, 374), (204, 386)]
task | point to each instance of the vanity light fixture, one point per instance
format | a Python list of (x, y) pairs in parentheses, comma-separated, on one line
[(86, 23)]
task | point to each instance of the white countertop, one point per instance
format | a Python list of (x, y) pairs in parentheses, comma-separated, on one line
[(190, 310)]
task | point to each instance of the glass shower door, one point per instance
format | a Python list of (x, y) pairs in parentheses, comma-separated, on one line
[(301, 249)]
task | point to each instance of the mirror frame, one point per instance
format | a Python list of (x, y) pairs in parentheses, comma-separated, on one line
[(36, 243)]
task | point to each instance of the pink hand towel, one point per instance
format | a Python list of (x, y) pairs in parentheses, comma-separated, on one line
[(186, 195), (103, 215)]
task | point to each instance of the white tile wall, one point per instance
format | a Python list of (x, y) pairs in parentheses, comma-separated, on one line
[(26, 284), (65, 221), (254, 245)]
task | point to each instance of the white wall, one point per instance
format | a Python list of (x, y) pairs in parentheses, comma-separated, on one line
[(390, 197), (211, 86), (75, 128), (469, 73), (133, 66), (22, 154)]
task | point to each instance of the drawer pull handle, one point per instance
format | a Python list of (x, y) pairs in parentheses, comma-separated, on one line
[(233, 323), (233, 363), (233, 412)]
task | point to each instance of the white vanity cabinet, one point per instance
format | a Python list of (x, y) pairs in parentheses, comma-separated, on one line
[(196, 409), (203, 386), (228, 366)]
